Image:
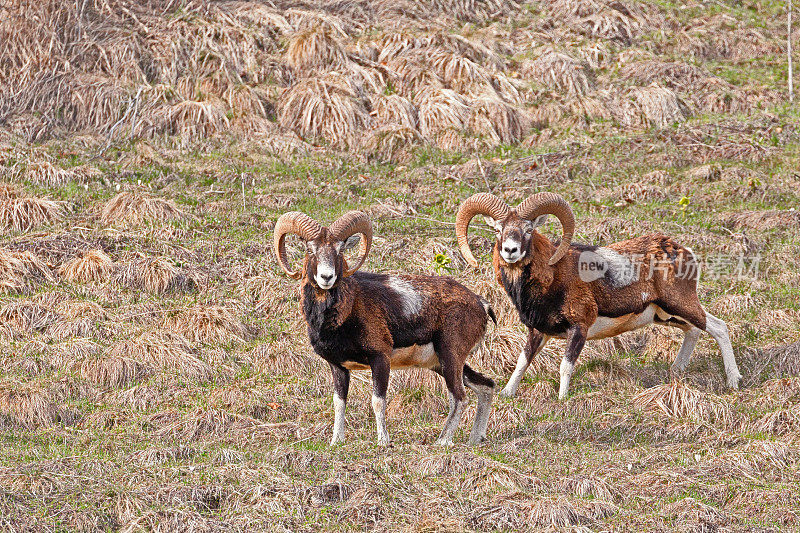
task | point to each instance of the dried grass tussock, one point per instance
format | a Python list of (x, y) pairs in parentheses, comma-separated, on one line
[(441, 110), (140, 356), (135, 208), (26, 213), (657, 106), (393, 143), (323, 110), (22, 272), (156, 275), (94, 266), (26, 315), (27, 406), (561, 72), (498, 121), (209, 324), (679, 401), (237, 64), (315, 48)]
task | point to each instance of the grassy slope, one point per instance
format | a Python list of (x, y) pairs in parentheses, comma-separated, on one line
[(248, 447)]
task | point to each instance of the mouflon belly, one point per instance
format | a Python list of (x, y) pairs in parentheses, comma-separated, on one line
[(606, 326), (610, 326), (414, 356)]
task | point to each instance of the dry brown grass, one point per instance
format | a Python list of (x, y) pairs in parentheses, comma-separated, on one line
[(27, 406), (441, 110), (156, 275), (22, 272), (25, 213), (616, 21), (193, 119), (209, 324), (8, 191), (394, 110), (458, 73), (45, 173), (156, 350), (654, 106), (695, 515), (518, 510), (184, 427), (561, 72), (411, 74), (94, 266), (761, 220), (81, 319), (679, 401), (136, 208), (26, 316), (393, 143), (315, 47), (497, 121), (323, 110), (676, 75)]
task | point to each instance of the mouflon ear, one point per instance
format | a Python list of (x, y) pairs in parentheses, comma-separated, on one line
[(351, 242), (492, 223), (540, 220)]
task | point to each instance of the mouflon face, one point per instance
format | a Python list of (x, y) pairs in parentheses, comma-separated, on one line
[(325, 261), (514, 236)]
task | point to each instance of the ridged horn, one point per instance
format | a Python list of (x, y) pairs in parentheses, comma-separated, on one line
[(298, 223), (481, 203), (548, 203), (348, 225)]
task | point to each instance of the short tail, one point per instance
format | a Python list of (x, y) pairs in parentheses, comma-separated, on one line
[(488, 308)]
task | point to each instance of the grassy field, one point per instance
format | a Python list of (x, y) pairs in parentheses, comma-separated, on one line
[(155, 372)]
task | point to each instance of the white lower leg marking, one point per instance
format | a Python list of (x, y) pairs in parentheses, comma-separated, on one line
[(451, 424), (339, 405), (719, 330), (484, 393), (566, 374), (379, 406), (511, 387), (478, 433), (523, 362), (690, 338)]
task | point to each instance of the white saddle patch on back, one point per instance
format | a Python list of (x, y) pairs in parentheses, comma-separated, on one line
[(621, 270), (411, 298)]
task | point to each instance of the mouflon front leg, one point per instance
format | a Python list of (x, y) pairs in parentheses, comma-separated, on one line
[(576, 338), (341, 385), (536, 341)]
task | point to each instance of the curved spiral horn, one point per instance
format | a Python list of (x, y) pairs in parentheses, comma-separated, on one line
[(548, 203), (298, 223), (481, 203), (348, 225)]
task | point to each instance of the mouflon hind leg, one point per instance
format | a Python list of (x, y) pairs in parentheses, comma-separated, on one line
[(690, 337), (484, 389), (453, 375), (719, 330), (692, 312)]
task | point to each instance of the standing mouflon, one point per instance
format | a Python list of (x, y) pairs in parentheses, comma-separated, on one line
[(363, 321)]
